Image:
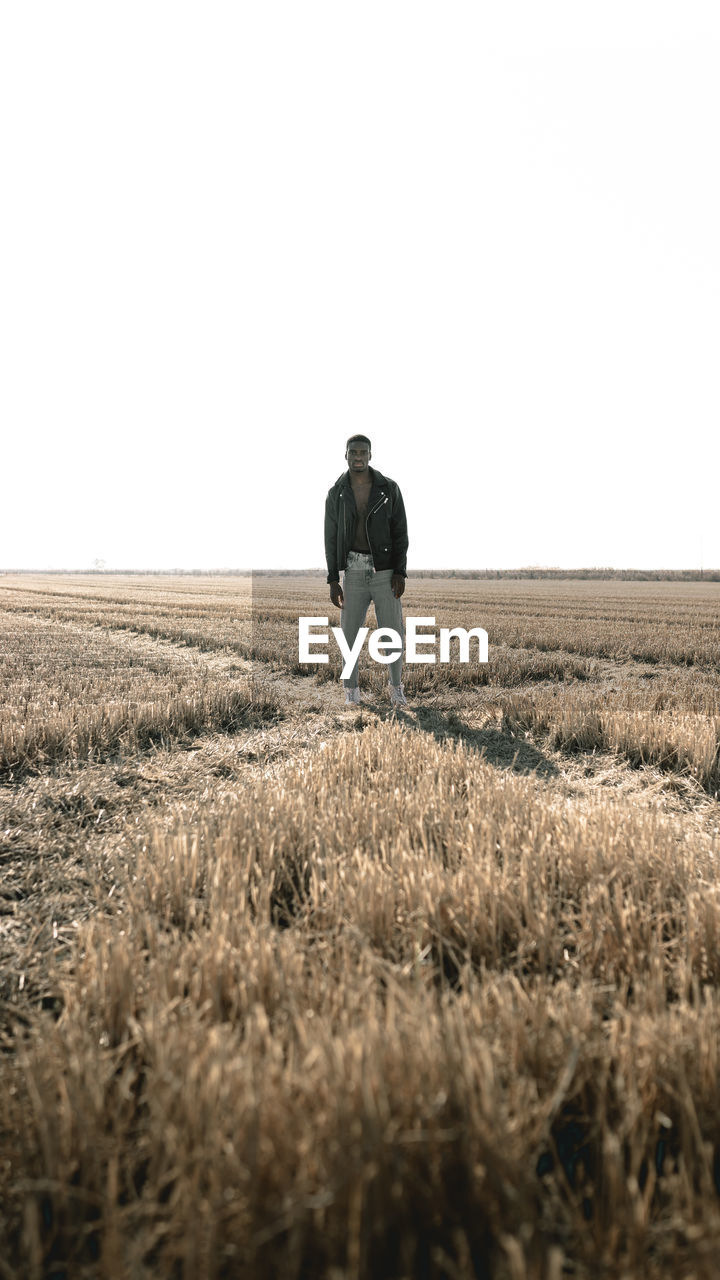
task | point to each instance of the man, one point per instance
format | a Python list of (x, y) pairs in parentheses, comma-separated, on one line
[(366, 536)]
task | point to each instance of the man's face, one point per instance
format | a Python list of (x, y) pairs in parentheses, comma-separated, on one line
[(358, 457)]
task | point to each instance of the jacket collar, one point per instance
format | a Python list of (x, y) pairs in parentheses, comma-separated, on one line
[(377, 477)]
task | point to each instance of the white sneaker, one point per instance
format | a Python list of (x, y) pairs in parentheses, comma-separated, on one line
[(397, 695), (352, 696)]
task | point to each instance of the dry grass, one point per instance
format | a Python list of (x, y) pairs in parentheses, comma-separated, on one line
[(654, 622), (71, 692), (682, 742), (180, 610), (666, 715), (365, 998)]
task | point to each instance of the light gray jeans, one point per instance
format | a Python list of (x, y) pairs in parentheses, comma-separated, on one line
[(360, 585)]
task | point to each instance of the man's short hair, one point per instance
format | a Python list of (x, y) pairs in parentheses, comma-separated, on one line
[(363, 438)]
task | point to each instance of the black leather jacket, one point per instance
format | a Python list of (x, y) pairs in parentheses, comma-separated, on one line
[(385, 523)]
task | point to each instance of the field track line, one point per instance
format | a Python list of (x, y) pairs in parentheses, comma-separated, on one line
[(320, 710)]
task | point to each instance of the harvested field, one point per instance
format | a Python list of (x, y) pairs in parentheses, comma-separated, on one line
[(290, 989)]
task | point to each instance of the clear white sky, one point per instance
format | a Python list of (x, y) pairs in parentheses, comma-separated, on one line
[(484, 234)]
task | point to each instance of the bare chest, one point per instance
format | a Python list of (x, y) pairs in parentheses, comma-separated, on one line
[(362, 498)]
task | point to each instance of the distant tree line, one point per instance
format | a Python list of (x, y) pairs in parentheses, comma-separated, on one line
[(631, 575), (627, 575), (140, 573)]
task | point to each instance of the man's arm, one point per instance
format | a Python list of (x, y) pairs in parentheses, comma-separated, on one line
[(331, 538), (399, 534)]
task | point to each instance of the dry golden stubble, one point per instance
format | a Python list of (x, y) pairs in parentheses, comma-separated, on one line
[(289, 1046)]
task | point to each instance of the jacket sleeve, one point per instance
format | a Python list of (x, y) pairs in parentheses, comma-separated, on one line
[(331, 537), (399, 534)]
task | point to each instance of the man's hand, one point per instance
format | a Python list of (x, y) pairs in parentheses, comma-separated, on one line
[(336, 595), (397, 582)]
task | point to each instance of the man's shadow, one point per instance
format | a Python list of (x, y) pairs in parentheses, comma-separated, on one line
[(504, 750)]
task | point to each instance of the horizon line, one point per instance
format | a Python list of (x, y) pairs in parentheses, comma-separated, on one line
[(212, 570)]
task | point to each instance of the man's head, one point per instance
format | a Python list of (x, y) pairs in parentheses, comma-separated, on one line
[(357, 453)]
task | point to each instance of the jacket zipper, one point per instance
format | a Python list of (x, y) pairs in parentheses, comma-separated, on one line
[(367, 531), (383, 500)]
